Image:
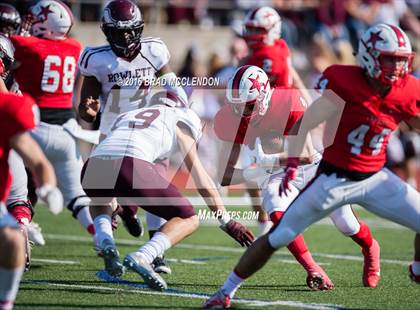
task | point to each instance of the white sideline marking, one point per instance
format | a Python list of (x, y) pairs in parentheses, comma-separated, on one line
[(223, 249), (185, 261), (53, 261), (176, 293)]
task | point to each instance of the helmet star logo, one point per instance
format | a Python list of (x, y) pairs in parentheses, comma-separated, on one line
[(45, 11), (375, 37), (255, 83)]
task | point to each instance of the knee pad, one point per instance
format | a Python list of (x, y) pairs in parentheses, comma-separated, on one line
[(281, 237), (77, 204), (26, 205)]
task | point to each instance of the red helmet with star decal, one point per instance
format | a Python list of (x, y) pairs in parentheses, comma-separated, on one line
[(385, 53), (52, 19), (249, 92)]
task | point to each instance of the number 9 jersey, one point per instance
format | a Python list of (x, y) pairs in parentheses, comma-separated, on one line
[(47, 69), (148, 133)]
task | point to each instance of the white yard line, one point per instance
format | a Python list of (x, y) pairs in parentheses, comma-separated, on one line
[(221, 248), (53, 261), (142, 289)]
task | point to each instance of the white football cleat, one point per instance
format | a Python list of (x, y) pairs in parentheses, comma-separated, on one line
[(35, 234)]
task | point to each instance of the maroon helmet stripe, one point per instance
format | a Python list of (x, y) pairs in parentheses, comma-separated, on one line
[(237, 81), (253, 13), (400, 36)]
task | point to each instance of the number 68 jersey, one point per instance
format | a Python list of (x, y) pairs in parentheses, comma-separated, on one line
[(47, 69), (367, 120), (125, 84), (147, 133)]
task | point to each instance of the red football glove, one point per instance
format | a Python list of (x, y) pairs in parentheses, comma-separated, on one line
[(291, 173), (239, 232)]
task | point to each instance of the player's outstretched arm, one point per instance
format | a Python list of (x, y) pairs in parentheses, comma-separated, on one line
[(89, 99), (207, 188), (41, 168)]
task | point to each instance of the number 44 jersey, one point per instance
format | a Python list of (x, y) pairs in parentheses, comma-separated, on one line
[(367, 119), (47, 69), (147, 133), (125, 84)]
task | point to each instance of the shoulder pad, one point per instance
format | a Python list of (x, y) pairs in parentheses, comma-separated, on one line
[(90, 60), (191, 119), (155, 51)]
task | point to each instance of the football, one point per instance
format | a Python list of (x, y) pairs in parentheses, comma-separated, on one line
[(272, 142)]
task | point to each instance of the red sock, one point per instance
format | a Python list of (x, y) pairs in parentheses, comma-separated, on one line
[(363, 237), (91, 229), (22, 214), (297, 247)]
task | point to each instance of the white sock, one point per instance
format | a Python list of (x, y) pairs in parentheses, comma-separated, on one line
[(9, 285), (416, 267), (103, 228), (154, 247), (153, 221), (84, 217), (231, 285)]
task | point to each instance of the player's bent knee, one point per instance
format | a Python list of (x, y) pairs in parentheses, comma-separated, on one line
[(77, 204), (11, 242)]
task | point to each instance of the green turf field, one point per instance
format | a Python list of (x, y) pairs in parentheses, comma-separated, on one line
[(201, 263)]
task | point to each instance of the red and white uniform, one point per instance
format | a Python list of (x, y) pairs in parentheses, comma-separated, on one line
[(47, 69), (16, 116), (367, 120), (286, 108), (274, 60), (358, 150)]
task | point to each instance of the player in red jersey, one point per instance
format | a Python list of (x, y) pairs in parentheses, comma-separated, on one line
[(262, 29), (47, 67), (16, 117), (268, 51), (377, 97)]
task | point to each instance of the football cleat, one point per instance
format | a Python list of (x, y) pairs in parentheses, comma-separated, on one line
[(35, 234), (371, 266), (412, 275), (136, 263), (160, 265), (112, 259), (131, 222), (217, 301), (319, 281)]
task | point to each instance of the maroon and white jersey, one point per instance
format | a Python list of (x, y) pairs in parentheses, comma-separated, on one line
[(367, 119), (148, 133), (123, 82), (16, 116)]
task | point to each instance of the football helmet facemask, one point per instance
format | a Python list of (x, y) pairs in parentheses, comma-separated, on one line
[(52, 19), (249, 92), (9, 19), (7, 56), (262, 26), (385, 53), (122, 24)]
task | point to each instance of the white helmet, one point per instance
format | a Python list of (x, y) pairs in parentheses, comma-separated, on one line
[(52, 20), (249, 92), (262, 26), (384, 40), (168, 98)]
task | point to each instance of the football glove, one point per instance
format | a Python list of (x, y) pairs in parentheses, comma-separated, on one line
[(52, 196), (290, 174), (239, 232)]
